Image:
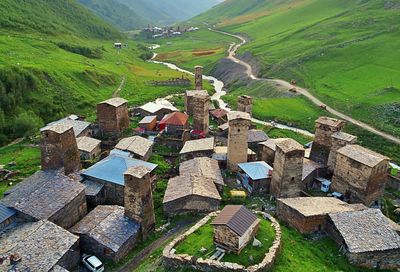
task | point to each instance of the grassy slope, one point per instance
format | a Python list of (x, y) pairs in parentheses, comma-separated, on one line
[(344, 51)]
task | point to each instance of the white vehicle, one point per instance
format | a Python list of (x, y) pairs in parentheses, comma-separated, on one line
[(92, 263)]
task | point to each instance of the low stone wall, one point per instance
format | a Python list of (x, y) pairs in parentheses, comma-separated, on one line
[(177, 261)]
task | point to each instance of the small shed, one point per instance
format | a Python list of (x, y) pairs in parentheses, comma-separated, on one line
[(174, 123), (255, 177), (220, 116), (197, 148), (139, 147), (234, 228), (148, 123), (89, 148)]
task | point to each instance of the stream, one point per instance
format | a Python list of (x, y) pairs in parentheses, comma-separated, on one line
[(220, 92)]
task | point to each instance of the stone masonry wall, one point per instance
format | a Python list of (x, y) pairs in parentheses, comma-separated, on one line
[(237, 142), (201, 118), (191, 204), (336, 145), (267, 155), (245, 104), (112, 120), (179, 261), (225, 237), (198, 77)]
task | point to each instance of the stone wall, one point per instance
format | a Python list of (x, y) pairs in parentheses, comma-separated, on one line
[(336, 144), (226, 238), (112, 120), (71, 259), (245, 104), (179, 261), (201, 118), (198, 77), (71, 213), (191, 204), (267, 154)]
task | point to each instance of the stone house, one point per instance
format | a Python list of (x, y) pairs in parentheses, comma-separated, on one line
[(81, 128), (155, 109), (108, 176), (339, 140), (203, 167), (189, 96), (174, 123), (325, 127), (255, 137), (367, 238), (41, 246), (140, 148), (310, 214), (267, 150), (221, 155), (89, 148), (197, 148), (113, 116), (220, 116), (312, 171), (148, 123), (191, 194), (255, 177), (287, 177), (234, 228), (360, 174), (107, 233), (49, 195)]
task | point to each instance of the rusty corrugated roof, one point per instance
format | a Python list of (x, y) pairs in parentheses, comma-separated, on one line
[(238, 218)]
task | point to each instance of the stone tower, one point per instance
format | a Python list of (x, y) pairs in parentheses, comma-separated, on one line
[(245, 104), (288, 169), (324, 129), (59, 148), (113, 116), (189, 99), (339, 140), (201, 115), (198, 77), (239, 123), (138, 198)]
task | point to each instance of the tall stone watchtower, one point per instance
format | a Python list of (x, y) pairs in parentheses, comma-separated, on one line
[(288, 169), (239, 123), (59, 148), (201, 114), (339, 140), (198, 77), (189, 99), (245, 104), (138, 198), (324, 129), (113, 116)]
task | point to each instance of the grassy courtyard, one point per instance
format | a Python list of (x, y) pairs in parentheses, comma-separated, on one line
[(203, 238)]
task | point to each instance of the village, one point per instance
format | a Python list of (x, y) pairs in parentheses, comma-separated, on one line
[(96, 191)]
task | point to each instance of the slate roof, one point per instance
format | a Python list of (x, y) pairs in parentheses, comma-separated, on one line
[(271, 143), (196, 92), (238, 218), (309, 167), (332, 122), (115, 102), (63, 124), (112, 168), (93, 188), (87, 144), (136, 145), (362, 155), (206, 144), (108, 226), (289, 145), (202, 167), (187, 185), (6, 213), (41, 245), (43, 194), (366, 231), (256, 170), (221, 153), (175, 118), (256, 136), (224, 127), (344, 136), (233, 115)]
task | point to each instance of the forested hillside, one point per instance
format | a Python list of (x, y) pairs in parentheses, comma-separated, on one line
[(116, 13), (344, 51)]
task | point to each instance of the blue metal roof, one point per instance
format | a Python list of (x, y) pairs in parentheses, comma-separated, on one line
[(6, 213), (112, 168), (256, 170)]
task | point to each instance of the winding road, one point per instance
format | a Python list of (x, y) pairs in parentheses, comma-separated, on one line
[(249, 71)]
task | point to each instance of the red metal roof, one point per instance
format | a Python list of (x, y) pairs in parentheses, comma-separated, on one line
[(175, 118), (219, 113)]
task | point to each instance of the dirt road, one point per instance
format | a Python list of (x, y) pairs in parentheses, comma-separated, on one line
[(249, 71)]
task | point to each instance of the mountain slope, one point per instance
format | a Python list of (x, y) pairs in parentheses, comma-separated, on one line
[(115, 13), (343, 51), (53, 17), (169, 11)]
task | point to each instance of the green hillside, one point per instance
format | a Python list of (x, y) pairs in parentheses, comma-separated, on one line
[(61, 68), (344, 51), (115, 13)]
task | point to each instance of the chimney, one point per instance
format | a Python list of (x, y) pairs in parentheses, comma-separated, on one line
[(138, 198)]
